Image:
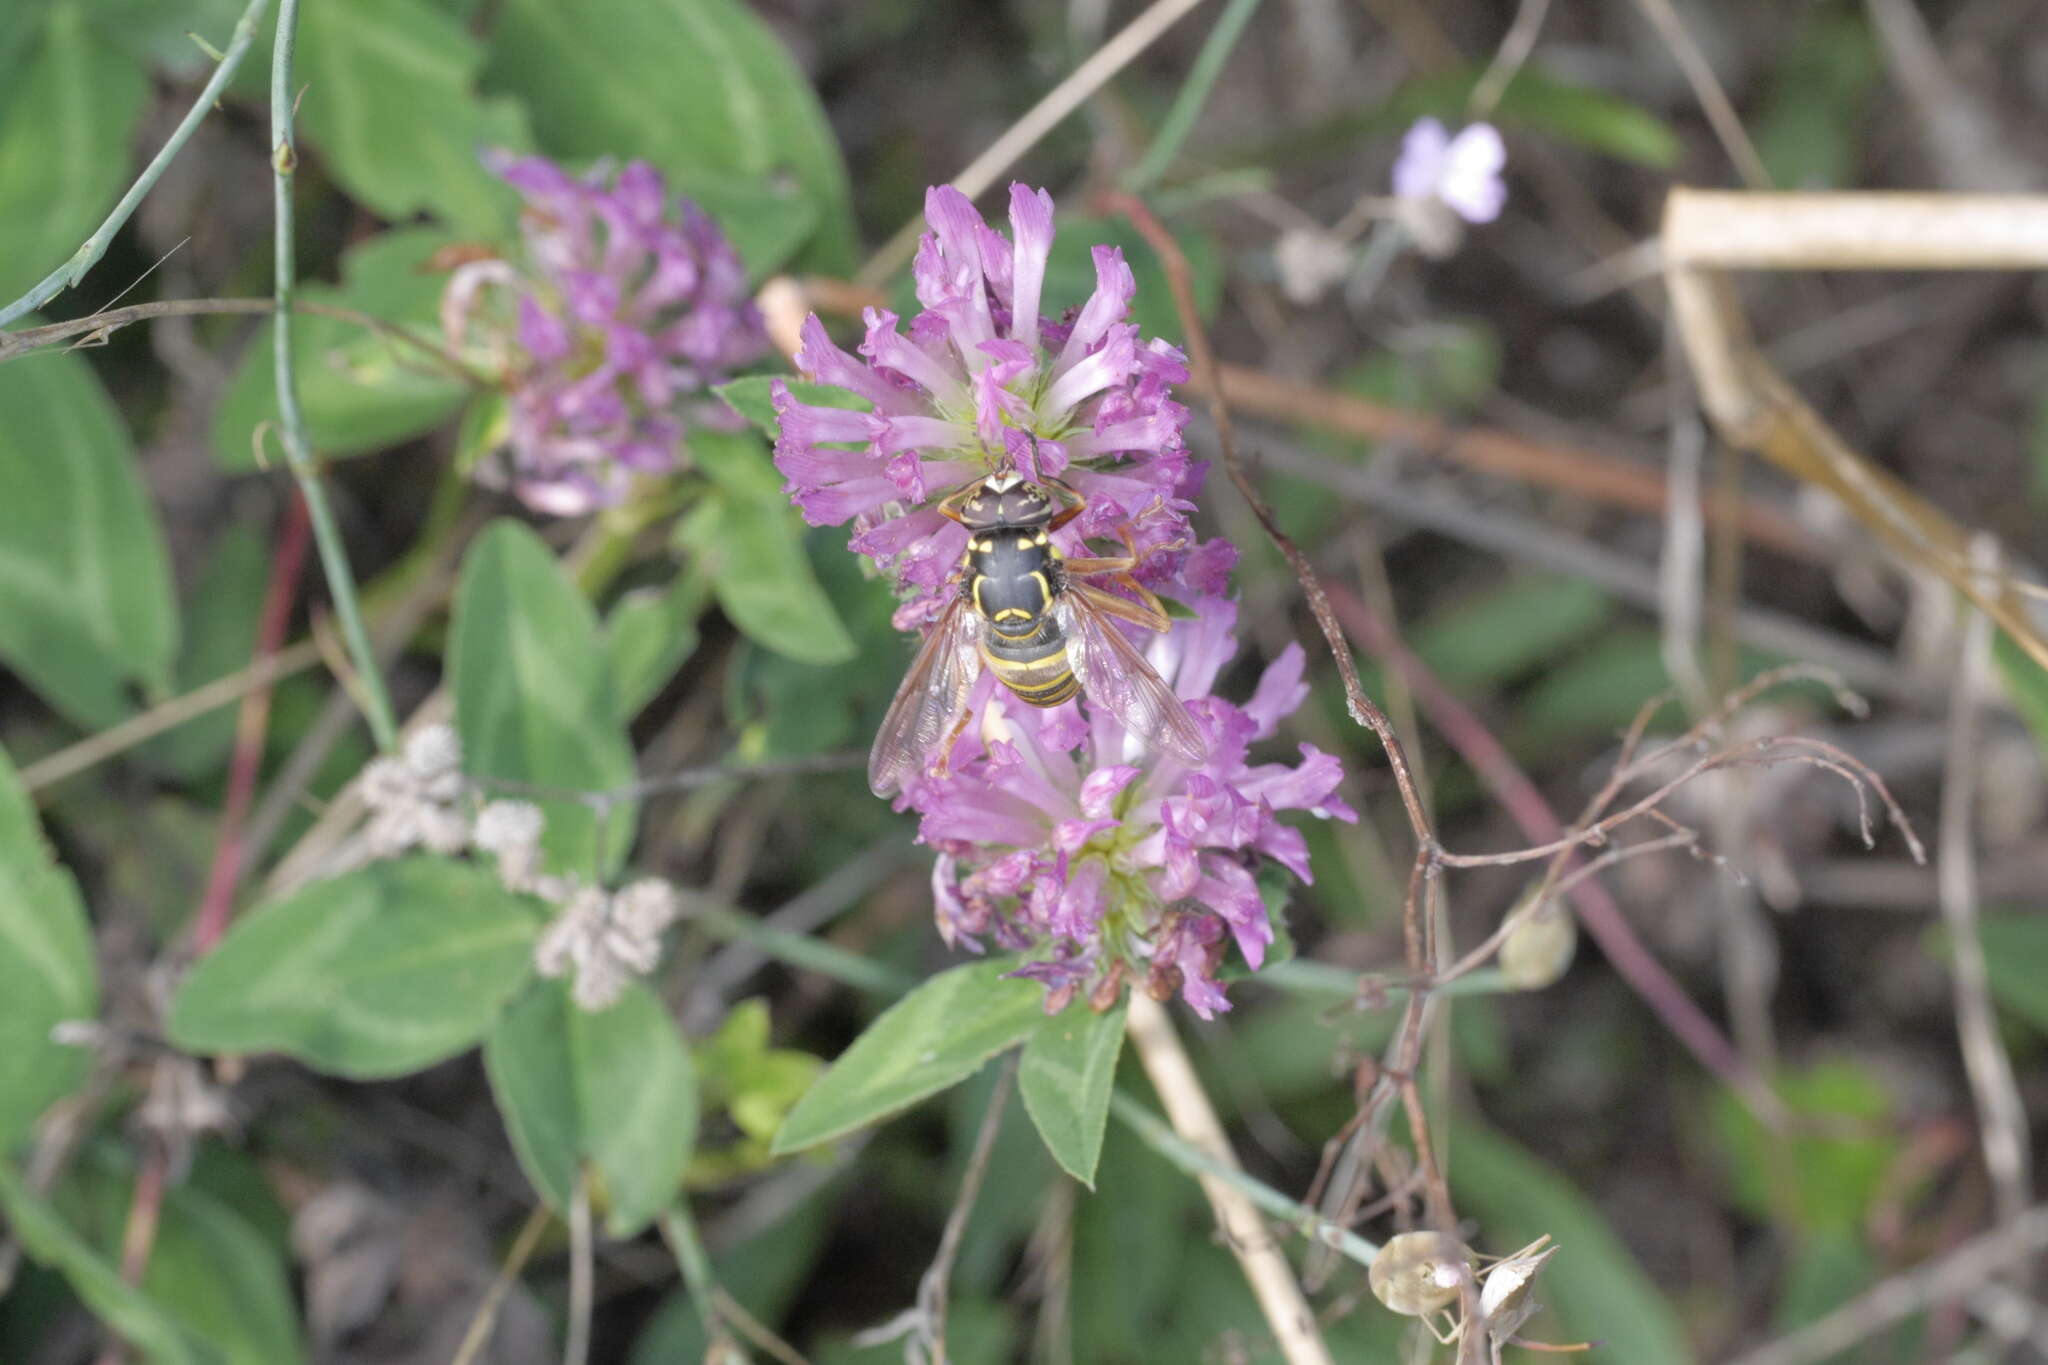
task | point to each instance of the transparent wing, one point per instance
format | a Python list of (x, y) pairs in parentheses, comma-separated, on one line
[(930, 698), (1117, 677)]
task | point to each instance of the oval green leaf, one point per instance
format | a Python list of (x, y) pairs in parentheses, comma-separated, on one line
[(375, 973), (534, 700), (615, 1089), (85, 583), (47, 972), (1067, 1071), (936, 1036)]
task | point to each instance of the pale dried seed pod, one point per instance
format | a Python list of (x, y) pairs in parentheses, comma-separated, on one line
[(1419, 1272), (1539, 950), (1505, 1298)]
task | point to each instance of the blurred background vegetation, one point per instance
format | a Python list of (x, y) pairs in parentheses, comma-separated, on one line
[(364, 1221)]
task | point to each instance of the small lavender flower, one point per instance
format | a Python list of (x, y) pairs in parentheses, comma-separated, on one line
[(1440, 179), (981, 379), (622, 315), (1053, 840), (607, 939)]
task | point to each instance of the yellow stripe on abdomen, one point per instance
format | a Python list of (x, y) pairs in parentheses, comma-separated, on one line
[(1044, 681)]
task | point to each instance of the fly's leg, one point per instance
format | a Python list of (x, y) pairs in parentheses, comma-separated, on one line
[(944, 767), (1146, 612)]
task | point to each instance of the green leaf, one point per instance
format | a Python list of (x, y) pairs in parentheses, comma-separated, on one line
[(534, 700), (755, 1083), (749, 397), (764, 1274), (690, 85), (47, 971), (1068, 1068), (1593, 119), (651, 632), (66, 122), (2026, 686), (361, 391), (223, 608), (1593, 1284), (614, 1089), (210, 1268), (934, 1037), (378, 972), (127, 1312), (85, 583), (1811, 130), (390, 101), (1506, 631), (2016, 963), (750, 540), (1823, 1182), (1532, 101)]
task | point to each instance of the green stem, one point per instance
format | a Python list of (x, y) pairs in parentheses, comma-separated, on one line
[(1187, 105), (679, 1227), (95, 246), (797, 950), (1308, 977), (341, 583), (1154, 1132)]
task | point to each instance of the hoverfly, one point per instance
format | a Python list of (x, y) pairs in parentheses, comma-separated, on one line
[(1023, 612)]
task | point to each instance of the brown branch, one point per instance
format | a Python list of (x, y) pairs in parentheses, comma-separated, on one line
[(1202, 364), (1584, 473)]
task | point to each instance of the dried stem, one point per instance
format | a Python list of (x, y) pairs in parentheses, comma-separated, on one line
[(1040, 119), (2002, 1115), (1194, 1119), (97, 748), (1202, 363), (1707, 90), (94, 330), (1943, 1279), (933, 1289), (1597, 909), (480, 1326)]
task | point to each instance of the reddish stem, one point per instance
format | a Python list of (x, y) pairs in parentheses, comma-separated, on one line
[(287, 566), (251, 725), (1526, 805)]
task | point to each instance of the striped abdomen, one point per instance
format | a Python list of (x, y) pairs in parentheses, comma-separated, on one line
[(1032, 664), (1013, 576)]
